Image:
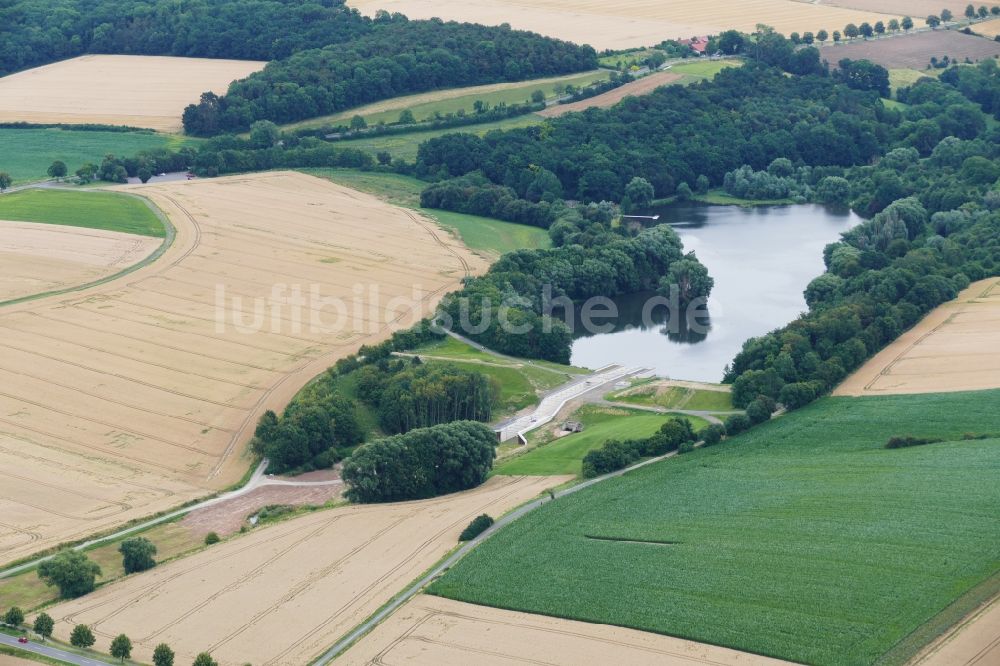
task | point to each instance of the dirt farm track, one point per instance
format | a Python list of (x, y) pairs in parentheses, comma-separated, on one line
[(283, 594), (135, 396)]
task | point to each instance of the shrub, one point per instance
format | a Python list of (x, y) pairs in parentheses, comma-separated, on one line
[(712, 434), (82, 636), (736, 424), (614, 455), (425, 462), (137, 554), (71, 572), (797, 394), (478, 525), (14, 617), (760, 409), (902, 442), (211, 538), (685, 447), (44, 624)]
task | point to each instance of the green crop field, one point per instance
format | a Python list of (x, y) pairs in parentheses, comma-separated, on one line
[(442, 102), (27, 153), (492, 237), (94, 210), (564, 455), (803, 539), (404, 146), (698, 70)]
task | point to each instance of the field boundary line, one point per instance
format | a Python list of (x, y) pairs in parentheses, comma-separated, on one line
[(170, 234)]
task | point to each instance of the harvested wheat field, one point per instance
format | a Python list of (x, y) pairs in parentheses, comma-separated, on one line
[(914, 8), (8, 660), (989, 29), (914, 51), (285, 593), (38, 258), (125, 399), (954, 348), (646, 84), (629, 23), (140, 91), (441, 632), (973, 642)]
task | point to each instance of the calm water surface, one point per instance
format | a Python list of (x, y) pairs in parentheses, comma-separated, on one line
[(761, 260)]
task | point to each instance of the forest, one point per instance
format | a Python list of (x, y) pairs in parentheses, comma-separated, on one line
[(37, 32), (392, 59)]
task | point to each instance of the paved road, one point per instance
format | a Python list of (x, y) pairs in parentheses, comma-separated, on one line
[(340, 646), (257, 480), (552, 403), (53, 652)]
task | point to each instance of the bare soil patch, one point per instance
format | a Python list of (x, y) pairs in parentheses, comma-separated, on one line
[(284, 593), (630, 23), (135, 396), (954, 348), (441, 632), (140, 91), (227, 517), (37, 258), (914, 51), (640, 87)]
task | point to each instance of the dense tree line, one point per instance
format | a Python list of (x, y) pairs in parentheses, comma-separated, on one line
[(422, 463), (511, 307), (407, 394), (750, 115), (475, 195), (618, 454), (394, 58), (939, 230), (36, 32)]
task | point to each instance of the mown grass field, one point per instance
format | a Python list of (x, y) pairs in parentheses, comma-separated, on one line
[(803, 539), (698, 70), (482, 234), (442, 102), (404, 146), (565, 455), (676, 397), (28, 592), (93, 210), (27, 153)]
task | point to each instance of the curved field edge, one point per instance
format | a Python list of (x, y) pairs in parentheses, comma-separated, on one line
[(803, 539), (169, 233)]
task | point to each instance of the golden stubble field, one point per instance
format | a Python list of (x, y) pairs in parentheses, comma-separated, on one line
[(630, 23), (283, 594), (39, 258), (140, 91), (432, 631), (956, 347), (126, 399)]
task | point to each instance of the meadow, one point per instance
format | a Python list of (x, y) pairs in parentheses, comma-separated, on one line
[(564, 455), (425, 106), (93, 210), (481, 234), (674, 397), (803, 539), (28, 153), (404, 146)]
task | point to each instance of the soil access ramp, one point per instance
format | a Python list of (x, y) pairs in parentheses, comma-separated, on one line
[(553, 402)]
